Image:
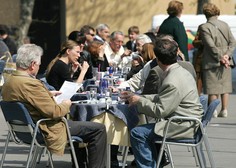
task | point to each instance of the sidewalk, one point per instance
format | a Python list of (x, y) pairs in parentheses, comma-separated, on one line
[(221, 133)]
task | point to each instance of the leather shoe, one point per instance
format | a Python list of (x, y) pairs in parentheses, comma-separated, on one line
[(115, 164), (164, 160)]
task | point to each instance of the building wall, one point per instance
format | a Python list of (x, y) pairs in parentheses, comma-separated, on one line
[(9, 12), (121, 14), (118, 14)]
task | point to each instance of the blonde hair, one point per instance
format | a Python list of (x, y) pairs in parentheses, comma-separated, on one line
[(147, 52), (69, 44), (210, 10)]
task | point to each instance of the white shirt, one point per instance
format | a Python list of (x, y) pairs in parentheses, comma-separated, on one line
[(115, 58)]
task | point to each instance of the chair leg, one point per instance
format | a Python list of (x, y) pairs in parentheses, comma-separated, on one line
[(5, 149), (170, 156), (208, 149), (30, 155), (160, 155), (195, 156), (50, 159), (42, 154), (74, 155), (108, 165), (202, 153), (36, 154), (199, 155), (124, 156)]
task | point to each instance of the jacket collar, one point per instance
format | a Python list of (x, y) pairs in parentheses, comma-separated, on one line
[(22, 73)]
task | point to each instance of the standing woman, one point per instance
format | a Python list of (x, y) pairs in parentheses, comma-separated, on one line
[(65, 64), (174, 27), (219, 45)]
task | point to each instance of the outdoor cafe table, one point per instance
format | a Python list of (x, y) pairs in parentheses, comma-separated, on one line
[(118, 119)]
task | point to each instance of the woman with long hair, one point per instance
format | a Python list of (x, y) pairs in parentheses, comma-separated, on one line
[(62, 67)]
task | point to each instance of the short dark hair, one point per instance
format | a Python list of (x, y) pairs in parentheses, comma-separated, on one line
[(86, 29), (77, 36), (175, 8), (166, 51), (134, 29)]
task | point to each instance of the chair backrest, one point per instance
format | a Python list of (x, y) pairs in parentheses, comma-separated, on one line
[(20, 123), (2, 66), (209, 113)]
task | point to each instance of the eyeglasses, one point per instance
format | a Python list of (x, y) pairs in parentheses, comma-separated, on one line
[(91, 34)]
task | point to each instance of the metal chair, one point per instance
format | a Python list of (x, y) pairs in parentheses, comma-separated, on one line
[(23, 130), (196, 142)]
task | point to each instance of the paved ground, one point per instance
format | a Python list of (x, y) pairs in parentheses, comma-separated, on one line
[(221, 131)]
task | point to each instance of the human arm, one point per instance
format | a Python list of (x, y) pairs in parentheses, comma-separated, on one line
[(158, 105), (219, 47), (39, 99), (181, 38), (83, 70)]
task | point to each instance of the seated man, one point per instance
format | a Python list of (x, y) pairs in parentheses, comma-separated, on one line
[(177, 96), (152, 82), (22, 86)]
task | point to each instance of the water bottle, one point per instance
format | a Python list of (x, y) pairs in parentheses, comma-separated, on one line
[(103, 85), (110, 71)]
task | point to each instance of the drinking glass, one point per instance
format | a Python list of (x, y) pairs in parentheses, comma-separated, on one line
[(93, 94), (121, 101)]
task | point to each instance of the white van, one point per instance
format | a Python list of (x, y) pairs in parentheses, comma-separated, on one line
[(191, 22)]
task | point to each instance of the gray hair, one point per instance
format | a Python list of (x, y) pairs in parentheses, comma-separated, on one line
[(27, 54), (115, 33), (101, 27), (143, 38)]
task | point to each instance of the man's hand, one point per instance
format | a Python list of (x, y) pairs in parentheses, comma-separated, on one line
[(55, 92), (131, 97), (126, 53), (67, 102)]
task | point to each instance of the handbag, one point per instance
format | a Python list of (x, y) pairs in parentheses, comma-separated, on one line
[(232, 65)]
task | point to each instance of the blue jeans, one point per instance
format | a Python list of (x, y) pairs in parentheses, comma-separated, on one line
[(142, 140)]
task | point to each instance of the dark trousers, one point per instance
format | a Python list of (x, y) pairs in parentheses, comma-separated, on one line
[(95, 135)]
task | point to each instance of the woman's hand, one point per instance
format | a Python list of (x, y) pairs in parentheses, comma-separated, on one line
[(75, 66), (225, 61), (84, 67), (101, 51)]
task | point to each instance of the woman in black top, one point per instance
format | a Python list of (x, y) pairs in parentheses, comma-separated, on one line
[(65, 64), (80, 38)]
